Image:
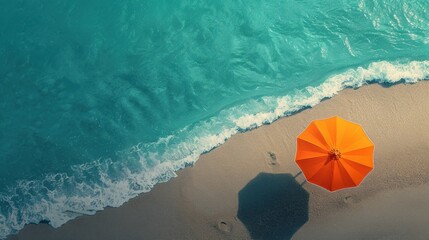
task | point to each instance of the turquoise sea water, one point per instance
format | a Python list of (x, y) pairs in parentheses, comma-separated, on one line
[(100, 100)]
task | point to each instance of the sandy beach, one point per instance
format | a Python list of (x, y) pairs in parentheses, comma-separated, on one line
[(250, 187)]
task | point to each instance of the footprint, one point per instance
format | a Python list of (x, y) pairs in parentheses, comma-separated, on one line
[(273, 158), (349, 200), (272, 162), (224, 226)]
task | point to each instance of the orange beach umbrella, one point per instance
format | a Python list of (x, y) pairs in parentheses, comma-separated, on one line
[(334, 153)]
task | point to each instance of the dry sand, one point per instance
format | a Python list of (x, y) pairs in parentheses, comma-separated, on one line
[(251, 187)]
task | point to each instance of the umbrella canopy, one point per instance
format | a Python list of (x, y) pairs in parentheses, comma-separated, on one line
[(334, 153)]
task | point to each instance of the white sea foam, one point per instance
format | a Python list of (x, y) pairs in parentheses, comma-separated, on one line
[(378, 72), (90, 187)]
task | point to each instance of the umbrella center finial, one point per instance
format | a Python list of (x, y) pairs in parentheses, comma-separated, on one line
[(334, 154)]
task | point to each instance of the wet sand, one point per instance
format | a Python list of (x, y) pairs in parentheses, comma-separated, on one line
[(250, 187)]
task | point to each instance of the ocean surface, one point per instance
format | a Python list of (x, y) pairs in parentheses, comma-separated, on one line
[(101, 99)]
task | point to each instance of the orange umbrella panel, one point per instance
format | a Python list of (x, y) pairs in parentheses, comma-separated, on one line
[(334, 153)]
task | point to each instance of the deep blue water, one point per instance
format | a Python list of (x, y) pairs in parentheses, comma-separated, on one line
[(100, 100)]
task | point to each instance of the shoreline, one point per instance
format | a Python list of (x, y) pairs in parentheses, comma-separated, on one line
[(202, 202)]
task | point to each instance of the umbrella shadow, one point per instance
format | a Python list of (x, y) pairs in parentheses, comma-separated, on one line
[(273, 206)]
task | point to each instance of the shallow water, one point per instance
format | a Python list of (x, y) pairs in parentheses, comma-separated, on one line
[(100, 100)]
